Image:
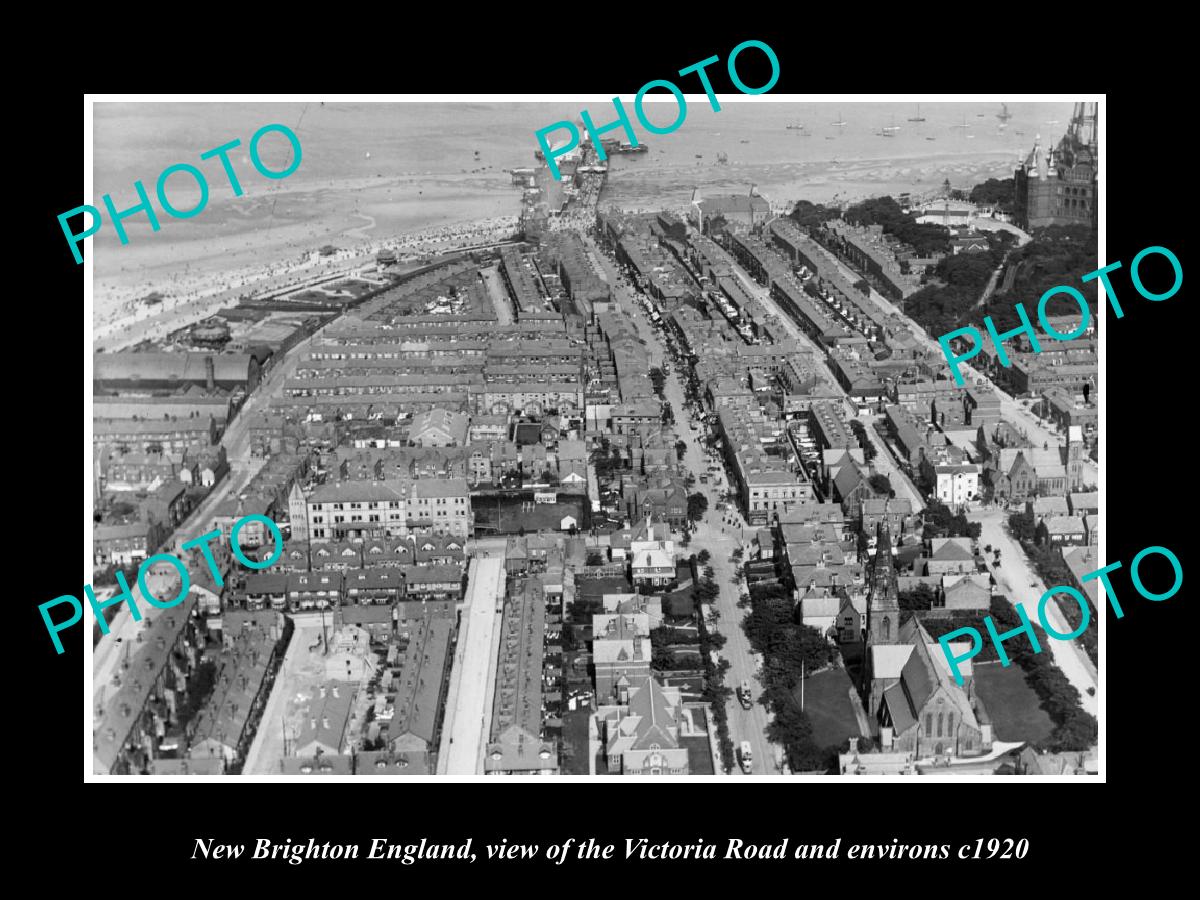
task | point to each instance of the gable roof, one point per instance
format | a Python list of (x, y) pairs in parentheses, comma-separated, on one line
[(951, 549)]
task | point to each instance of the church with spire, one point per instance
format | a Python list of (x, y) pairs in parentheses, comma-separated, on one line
[(909, 688), (1058, 185)]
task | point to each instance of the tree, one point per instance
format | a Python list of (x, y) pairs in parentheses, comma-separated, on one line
[(881, 485), (863, 285), (703, 557), (697, 506), (918, 599), (1022, 526), (680, 450), (860, 434)]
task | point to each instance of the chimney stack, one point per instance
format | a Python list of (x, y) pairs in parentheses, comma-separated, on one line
[(210, 376)]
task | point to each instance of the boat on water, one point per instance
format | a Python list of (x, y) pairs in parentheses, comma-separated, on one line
[(918, 117), (931, 138), (1004, 115), (840, 122), (743, 141), (699, 156)]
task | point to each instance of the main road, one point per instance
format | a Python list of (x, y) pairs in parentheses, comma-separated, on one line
[(1021, 584), (719, 532)]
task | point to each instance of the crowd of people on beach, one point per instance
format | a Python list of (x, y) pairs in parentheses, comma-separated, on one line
[(127, 312)]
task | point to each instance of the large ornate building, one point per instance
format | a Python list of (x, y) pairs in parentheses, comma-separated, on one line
[(1058, 186)]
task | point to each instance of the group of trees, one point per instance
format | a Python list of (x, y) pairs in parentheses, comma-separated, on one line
[(806, 214), (658, 380), (998, 192), (950, 301), (680, 450), (1075, 729), (665, 652), (1057, 255), (880, 484), (697, 506), (715, 692), (918, 599), (1048, 562), (924, 239), (789, 649), (860, 434), (1022, 526), (606, 459), (941, 522)]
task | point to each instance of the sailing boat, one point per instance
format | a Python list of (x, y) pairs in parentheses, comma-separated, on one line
[(1004, 115), (893, 128), (918, 117), (840, 122)]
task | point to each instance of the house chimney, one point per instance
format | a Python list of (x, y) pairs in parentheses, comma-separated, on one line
[(313, 723), (210, 377), (885, 737), (853, 745), (322, 690), (325, 722)]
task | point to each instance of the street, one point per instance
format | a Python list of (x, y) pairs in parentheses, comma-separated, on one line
[(714, 535), (1017, 579), (1035, 429)]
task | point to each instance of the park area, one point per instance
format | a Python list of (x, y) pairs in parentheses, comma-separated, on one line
[(828, 707), (1011, 703)]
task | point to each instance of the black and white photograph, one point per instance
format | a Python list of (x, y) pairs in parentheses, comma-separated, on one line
[(438, 438)]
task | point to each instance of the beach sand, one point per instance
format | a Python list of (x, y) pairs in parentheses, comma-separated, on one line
[(249, 244)]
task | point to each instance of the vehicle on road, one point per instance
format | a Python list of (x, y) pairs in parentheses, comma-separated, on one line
[(746, 757), (744, 696)]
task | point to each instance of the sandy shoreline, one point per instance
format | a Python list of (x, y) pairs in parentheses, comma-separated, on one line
[(252, 244)]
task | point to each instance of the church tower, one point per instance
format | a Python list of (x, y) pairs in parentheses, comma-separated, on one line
[(883, 597), (1075, 457), (298, 513)]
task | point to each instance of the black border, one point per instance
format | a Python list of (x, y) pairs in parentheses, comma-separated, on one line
[(1148, 403)]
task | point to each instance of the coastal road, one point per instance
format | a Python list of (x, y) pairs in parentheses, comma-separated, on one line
[(1020, 583)]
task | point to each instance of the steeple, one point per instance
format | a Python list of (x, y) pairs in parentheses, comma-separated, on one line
[(883, 599)]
